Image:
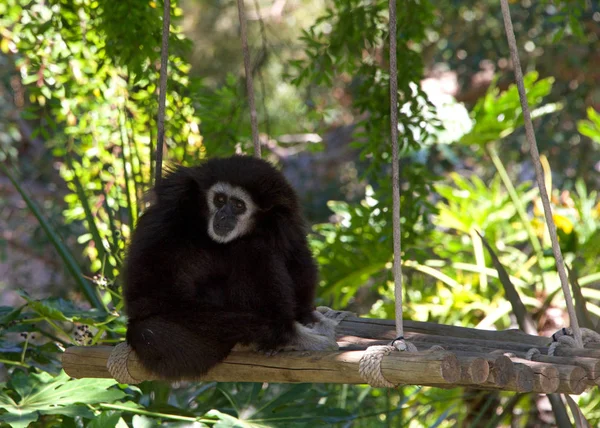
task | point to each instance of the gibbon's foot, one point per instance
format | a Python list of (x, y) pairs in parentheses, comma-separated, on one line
[(324, 326), (337, 316), (309, 340), (304, 340), (241, 348)]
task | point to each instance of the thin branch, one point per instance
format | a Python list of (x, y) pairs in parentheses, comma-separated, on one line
[(249, 83), (162, 96), (263, 37)]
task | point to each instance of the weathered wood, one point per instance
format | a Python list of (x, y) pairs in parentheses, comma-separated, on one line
[(575, 352), (523, 379), (501, 368), (573, 379), (545, 376), (473, 370), (472, 358), (590, 365), (449, 343), (385, 329), (290, 367), (502, 372)]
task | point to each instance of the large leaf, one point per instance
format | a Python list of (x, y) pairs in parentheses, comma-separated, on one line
[(58, 309), (497, 115), (42, 393), (590, 128), (107, 419)]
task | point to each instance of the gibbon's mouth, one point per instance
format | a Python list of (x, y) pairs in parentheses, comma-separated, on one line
[(224, 227)]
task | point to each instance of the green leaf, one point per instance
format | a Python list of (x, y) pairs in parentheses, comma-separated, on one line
[(8, 314), (44, 394), (498, 115), (58, 309), (106, 419), (19, 419)]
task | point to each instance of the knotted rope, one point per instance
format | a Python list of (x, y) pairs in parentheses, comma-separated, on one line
[(564, 338), (117, 364), (370, 363), (370, 366)]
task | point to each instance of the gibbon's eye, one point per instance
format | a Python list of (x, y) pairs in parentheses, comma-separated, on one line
[(219, 200), (239, 207)]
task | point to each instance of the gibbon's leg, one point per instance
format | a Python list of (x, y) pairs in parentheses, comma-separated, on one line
[(177, 346), (175, 350)]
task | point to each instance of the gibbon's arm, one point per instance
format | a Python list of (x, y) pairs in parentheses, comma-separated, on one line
[(263, 284), (303, 272)]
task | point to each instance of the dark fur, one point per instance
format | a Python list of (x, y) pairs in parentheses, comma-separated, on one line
[(190, 299)]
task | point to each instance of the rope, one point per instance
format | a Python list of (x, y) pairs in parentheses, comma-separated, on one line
[(531, 353), (117, 364), (370, 366), (539, 173), (564, 337), (370, 363), (435, 348), (395, 172), (162, 94), (249, 83)]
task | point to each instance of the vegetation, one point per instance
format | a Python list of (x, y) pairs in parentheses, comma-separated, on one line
[(78, 80)]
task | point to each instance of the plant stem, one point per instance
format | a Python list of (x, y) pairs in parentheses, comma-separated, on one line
[(156, 414), (14, 363), (60, 330)]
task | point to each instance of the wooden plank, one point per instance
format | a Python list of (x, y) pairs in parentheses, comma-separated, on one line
[(289, 367), (471, 358)]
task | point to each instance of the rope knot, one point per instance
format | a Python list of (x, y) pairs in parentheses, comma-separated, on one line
[(370, 363), (117, 364)]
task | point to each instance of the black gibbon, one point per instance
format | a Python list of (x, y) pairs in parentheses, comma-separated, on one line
[(219, 259)]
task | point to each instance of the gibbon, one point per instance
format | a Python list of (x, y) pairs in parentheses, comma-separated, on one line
[(221, 259)]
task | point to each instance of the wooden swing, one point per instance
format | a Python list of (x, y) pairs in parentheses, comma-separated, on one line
[(434, 355)]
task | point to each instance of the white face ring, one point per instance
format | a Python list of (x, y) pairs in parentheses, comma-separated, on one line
[(245, 221)]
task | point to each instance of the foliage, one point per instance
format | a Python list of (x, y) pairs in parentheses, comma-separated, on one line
[(99, 107), (331, 60), (29, 395), (591, 127), (90, 71), (497, 115)]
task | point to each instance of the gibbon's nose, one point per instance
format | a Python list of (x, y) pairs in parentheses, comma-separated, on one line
[(225, 221)]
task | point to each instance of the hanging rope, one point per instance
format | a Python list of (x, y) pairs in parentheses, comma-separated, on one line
[(539, 173), (370, 362), (162, 95), (395, 173), (249, 83)]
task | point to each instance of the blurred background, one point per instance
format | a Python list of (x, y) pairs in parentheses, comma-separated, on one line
[(78, 105)]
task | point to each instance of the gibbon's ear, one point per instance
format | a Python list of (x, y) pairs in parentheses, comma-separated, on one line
[(177, 188)]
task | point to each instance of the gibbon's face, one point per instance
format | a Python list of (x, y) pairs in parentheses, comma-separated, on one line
[(231, 212)]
